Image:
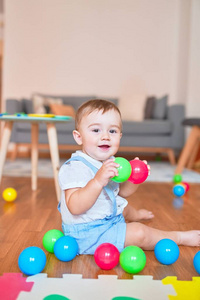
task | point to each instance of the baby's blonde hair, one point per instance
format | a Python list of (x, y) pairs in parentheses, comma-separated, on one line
[(97, 104)]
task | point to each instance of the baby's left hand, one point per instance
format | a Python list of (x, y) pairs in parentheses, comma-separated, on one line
[(148, 166)]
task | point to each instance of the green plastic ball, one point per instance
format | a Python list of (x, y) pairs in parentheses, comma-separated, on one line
[(124, 170), (132, 259), (50, 238), (177, 178)]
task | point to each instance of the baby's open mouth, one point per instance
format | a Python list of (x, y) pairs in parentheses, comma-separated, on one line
[(104, 146)]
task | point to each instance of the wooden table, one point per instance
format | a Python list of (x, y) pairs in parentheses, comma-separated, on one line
[(52, 137)]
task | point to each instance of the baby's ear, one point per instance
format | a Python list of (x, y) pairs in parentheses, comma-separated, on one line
[(77, 137)]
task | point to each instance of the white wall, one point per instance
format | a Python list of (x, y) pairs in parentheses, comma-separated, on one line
[(193, 95), (117, 48)]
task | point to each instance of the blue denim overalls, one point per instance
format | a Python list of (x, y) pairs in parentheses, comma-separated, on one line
[(89, 236)]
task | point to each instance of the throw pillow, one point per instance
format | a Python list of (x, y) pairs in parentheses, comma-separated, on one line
[(63, 110), (41, 104), (160, 108), (27, 106), (132, 107), (149, 107)]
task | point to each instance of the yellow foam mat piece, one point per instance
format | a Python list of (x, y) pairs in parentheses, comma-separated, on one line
[(186, 290)]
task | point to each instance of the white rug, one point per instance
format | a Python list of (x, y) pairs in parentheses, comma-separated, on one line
[(160, 171)]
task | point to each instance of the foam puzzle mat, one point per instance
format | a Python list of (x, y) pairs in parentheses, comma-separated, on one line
[(13, 286)]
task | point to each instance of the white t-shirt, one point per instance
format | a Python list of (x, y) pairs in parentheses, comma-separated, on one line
[(76, 174)]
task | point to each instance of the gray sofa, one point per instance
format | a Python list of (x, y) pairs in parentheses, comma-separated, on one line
[(160, 131)]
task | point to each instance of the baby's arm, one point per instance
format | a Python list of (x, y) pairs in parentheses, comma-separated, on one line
[(127, 188), (79, 200)]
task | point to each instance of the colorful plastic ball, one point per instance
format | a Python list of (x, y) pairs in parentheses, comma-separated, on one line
[(106, 256), (32, 260), (179, 190), (9, 194), (177, 178), (187, 186), (181, 183), (184, 186), (196, 262), (166, 251), (50, 238), (178, 202), (132, 259), (139, 171), (66, 248), (124, 170)]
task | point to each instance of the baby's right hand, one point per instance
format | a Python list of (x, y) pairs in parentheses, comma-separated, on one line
[(107, 171)]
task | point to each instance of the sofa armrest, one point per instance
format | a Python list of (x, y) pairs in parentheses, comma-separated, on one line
[(13, 106), (176, 114)]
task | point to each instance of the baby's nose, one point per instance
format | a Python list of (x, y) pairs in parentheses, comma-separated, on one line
[(105, 135)]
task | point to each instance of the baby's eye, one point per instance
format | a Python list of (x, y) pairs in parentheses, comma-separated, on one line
[(95, 130), (113, 131)]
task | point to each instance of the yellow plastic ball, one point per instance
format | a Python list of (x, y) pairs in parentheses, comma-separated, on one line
[(9, 194)]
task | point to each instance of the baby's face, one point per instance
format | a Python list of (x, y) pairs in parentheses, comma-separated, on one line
[(100, 134)]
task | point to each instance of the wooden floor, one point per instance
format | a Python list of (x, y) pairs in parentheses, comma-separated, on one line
[(24, 222)]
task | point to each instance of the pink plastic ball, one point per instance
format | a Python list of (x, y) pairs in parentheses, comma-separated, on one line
[(139, 171), (106, 256), (187, 186)]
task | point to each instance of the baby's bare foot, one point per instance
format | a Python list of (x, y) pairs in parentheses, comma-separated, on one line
[(190, 238), (144, 214)]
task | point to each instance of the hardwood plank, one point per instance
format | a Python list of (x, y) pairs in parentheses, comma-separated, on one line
[(24, 222)]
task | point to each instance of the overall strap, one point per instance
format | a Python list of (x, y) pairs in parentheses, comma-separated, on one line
[(106, 188)]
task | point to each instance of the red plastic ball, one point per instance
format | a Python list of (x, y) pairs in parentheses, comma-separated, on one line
[(106, 256), (139, 171)]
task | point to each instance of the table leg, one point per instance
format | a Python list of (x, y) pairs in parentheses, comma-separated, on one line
[(53, 144), (192, 157), (34, 154), (4, 144), (188, 148)]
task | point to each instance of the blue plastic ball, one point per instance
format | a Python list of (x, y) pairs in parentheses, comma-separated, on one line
[(196, 262), (179, 190), (66, 248), (32, 260), (178, 202), (166, 251)]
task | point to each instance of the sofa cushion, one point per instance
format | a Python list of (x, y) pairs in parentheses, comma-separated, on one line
[(146, 127), (75, 101), (62, 110), (27, 106), (67, 127), (149, 107), (13, 106), (41, 103), (114, 100), (160, 108)]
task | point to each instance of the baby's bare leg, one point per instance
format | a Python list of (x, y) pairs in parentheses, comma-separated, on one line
[(133, 215), (146, 237)]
